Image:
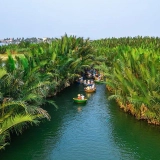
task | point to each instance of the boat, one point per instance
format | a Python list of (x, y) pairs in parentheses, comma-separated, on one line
[(85, 84), (80, 100), (89, 77), (99, 81), (90, 90)]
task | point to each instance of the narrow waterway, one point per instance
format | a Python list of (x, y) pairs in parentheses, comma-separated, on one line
[(97, 130)]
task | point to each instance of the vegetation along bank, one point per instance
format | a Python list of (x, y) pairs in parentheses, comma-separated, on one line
[(34, 71)]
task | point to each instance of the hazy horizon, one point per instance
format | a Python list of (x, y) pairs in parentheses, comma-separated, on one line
[(94, 19)]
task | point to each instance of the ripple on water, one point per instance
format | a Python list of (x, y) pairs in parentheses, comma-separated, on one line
[(97, 130)]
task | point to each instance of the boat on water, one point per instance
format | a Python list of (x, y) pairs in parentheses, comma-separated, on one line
[(89, 76), (99, 81), (90, 90), (85, 84), (77, 100)]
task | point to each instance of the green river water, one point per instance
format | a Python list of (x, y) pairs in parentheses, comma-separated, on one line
[(97, 130)]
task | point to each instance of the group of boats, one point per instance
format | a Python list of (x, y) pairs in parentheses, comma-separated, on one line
[(89, 88), (91, 77)]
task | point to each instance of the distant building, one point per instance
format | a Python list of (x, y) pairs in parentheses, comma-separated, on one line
[(10, 40), (45, 39)]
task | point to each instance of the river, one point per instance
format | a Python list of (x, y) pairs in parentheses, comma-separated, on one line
[(97, 130)]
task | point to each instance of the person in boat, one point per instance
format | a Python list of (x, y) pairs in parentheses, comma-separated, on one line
[(96, 77), (82, 96), (93, 86), (87, 88), (92, 82), (79, 96), (85, 82), (89, 83)]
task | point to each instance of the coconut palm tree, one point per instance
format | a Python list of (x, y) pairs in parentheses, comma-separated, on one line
[(23, 90)]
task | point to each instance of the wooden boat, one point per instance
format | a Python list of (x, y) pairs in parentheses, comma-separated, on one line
[(80, 100), (90, 90)]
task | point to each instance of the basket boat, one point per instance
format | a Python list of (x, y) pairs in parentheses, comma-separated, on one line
[(80, 100), (90, 90)]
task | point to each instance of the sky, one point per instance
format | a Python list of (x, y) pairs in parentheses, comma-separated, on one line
[(94, 19)]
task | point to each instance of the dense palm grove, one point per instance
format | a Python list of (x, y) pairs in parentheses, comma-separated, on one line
[(36, 72), (132, 70), (33, 72)]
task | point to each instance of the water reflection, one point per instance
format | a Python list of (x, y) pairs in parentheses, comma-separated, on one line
[(94, 130), (88, 95), (79, 109), (133, 137), (80, 106)]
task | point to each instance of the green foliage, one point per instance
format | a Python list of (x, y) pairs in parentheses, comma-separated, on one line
[(27, 79), (3, 49), (132, 70), (10, 63)]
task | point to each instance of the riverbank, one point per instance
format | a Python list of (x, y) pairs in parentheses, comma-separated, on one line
[(143, 113)]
